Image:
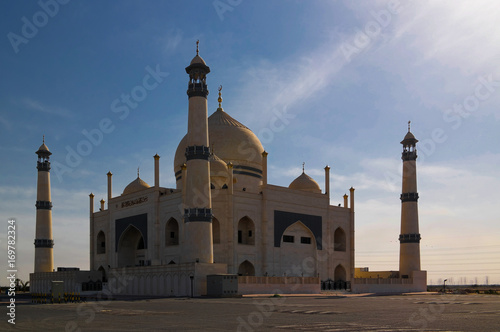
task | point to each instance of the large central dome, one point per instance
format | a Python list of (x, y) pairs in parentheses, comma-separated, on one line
[(232, 142)]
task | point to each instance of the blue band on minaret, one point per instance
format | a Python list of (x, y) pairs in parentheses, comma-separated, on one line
[(43, 205)]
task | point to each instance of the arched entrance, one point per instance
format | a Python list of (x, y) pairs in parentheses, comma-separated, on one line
[(246, 269), (298, 251), (131, 247), (340, 274)]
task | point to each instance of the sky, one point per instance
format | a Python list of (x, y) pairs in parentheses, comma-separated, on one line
[(322, 82)]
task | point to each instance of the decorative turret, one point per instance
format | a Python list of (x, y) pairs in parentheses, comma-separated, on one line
[(409, 254), (44, 258), (198, 245)]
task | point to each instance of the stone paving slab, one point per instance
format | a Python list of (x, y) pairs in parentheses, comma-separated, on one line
[(346, 312)]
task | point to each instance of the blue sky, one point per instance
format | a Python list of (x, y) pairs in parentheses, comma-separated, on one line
[(343, 77)]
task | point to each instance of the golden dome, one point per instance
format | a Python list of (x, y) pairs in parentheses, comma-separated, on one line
[(198, 59), (43, 147), (134, 186), (306, 183), (232, 141)]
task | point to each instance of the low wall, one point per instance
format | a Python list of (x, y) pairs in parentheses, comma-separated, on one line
[(418, 283), (278, 285), (41, 282), (162, 280)]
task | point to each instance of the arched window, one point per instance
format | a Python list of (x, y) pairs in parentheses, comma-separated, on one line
[(339, 240), (246, 269), (340, 274), (246, 231), (101, 243), (172, 233), (215, 231)]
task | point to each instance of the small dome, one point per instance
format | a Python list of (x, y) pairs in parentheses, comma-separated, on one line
[(306, 183), (43, 147), (409, 139), (217, 166), (409, 135), (197, 59), (136, 185)]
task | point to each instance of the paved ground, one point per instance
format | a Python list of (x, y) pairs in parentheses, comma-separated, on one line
[(419, 312)]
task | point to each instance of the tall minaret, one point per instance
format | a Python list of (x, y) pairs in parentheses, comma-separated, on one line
[(198, 245), (409, 251), (44, 259)]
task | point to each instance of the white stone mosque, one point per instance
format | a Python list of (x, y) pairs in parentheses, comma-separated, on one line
[(222, 218)]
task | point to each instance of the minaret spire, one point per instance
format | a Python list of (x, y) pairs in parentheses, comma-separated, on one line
[(409, 254), (197, 195), (44, 258)]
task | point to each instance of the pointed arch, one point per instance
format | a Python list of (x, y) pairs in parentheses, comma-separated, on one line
[(103, 271), (298, 254), (340, 273), (128, 247), (101, 243), (215, 231), (246, 231), (171, 233), (339, 240), (246, 269)]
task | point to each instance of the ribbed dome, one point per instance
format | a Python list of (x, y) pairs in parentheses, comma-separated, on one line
[(306, 183), (134, 186), (233, 142)]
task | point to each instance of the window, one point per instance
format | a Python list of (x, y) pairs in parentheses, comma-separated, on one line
[(246, 229), (305, 240), (171, 233), (289, 238), (101, 243)]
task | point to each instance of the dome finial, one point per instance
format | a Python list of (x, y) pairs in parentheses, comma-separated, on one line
[(197, 43), (137, 171), (303, 167), (43, 139), (409, 126), (220, 96)]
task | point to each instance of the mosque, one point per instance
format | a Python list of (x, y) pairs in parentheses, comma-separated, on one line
[(222, 218)]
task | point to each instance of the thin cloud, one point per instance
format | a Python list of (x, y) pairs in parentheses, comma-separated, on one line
[(37, 106)]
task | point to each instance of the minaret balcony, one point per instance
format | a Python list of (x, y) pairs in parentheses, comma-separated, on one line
[(44, 243), (409, 238), (197, 152), (43, 166), (197, 90), (409, 155), (198, 214)]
